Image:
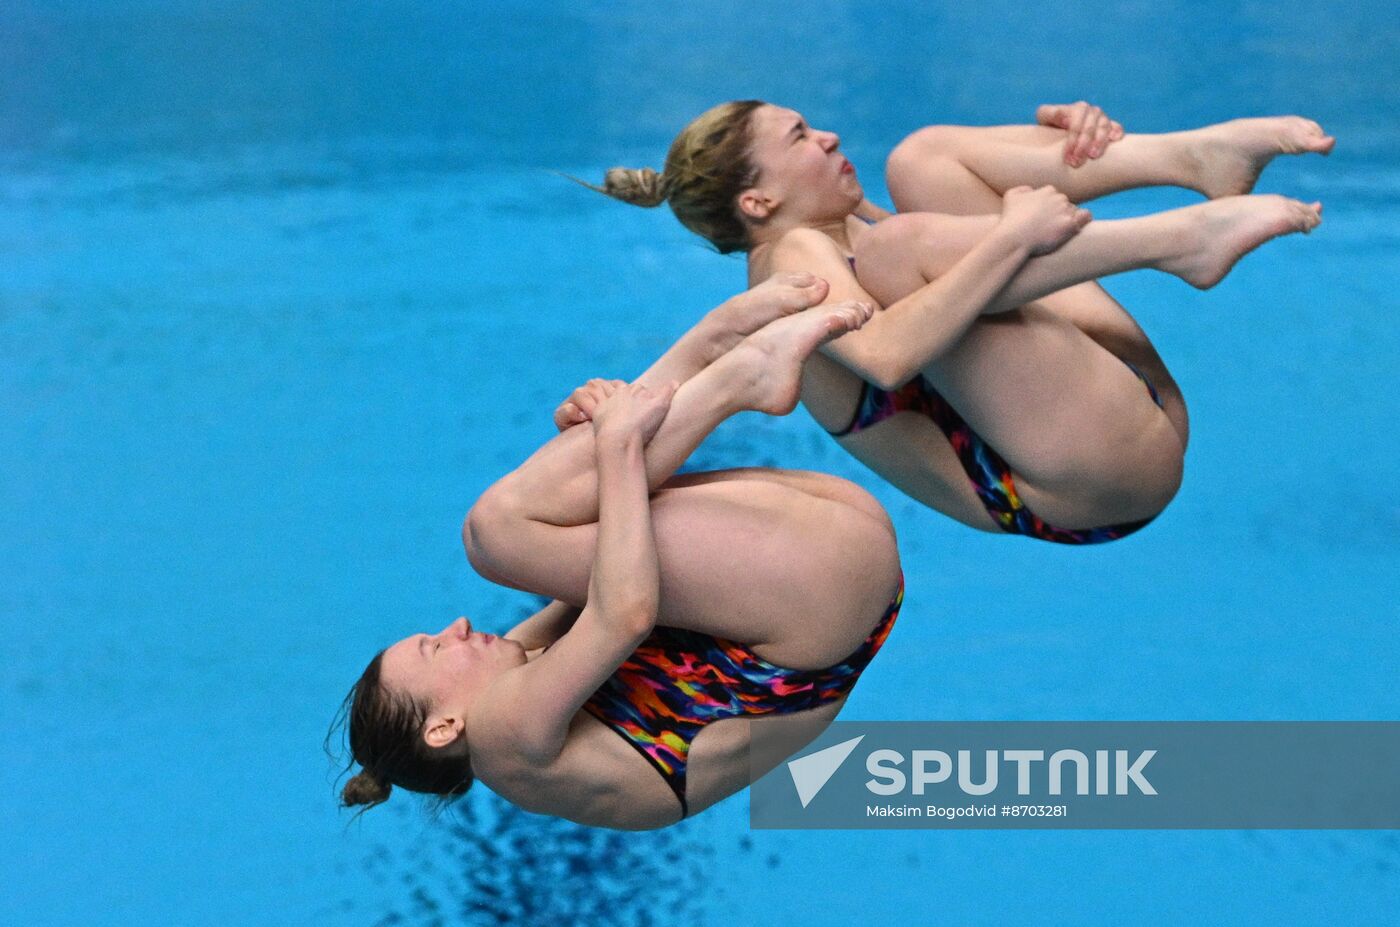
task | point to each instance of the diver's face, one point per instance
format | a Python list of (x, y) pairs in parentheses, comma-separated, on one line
[(444, 670), (801, 169)]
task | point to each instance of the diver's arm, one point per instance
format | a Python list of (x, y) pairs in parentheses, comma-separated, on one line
[(908, 335), (625, 586), (533, 709), (545, 626), (914, 330)]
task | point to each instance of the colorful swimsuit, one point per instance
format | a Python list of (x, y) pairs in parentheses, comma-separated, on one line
[(989, 472), (678, 681)]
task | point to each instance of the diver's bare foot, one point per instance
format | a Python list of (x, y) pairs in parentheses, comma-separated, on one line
[(767, 366), (781, 294), (1226, 159), (1219, 233)]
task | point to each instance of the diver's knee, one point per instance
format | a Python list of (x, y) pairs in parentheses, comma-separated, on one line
[(486, 524), (917, 148)]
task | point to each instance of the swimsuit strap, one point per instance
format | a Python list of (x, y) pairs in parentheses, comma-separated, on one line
[(1151, 390)]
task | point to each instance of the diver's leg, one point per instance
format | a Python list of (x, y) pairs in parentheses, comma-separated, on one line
[(963, 170), (820, 485), (557, 485), (1197, 243), (731, 321), (755, 561)]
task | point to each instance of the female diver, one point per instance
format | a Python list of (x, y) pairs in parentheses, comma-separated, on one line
[(728, 615), (1036, 405)]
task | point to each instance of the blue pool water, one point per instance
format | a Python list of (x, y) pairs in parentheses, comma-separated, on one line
[(283, 287)]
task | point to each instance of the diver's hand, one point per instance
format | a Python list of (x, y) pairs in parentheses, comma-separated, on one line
[(633, 409), (1041, 219), (578, 408), (1089, 130)]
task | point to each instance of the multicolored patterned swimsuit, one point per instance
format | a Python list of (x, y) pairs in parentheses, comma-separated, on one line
[(989, 472), (678, 681)]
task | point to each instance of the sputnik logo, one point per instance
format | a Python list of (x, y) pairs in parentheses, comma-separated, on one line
[(813, 771)]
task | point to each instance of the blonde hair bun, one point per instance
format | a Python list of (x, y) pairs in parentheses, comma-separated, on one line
[(644, 187), (708, 166)]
